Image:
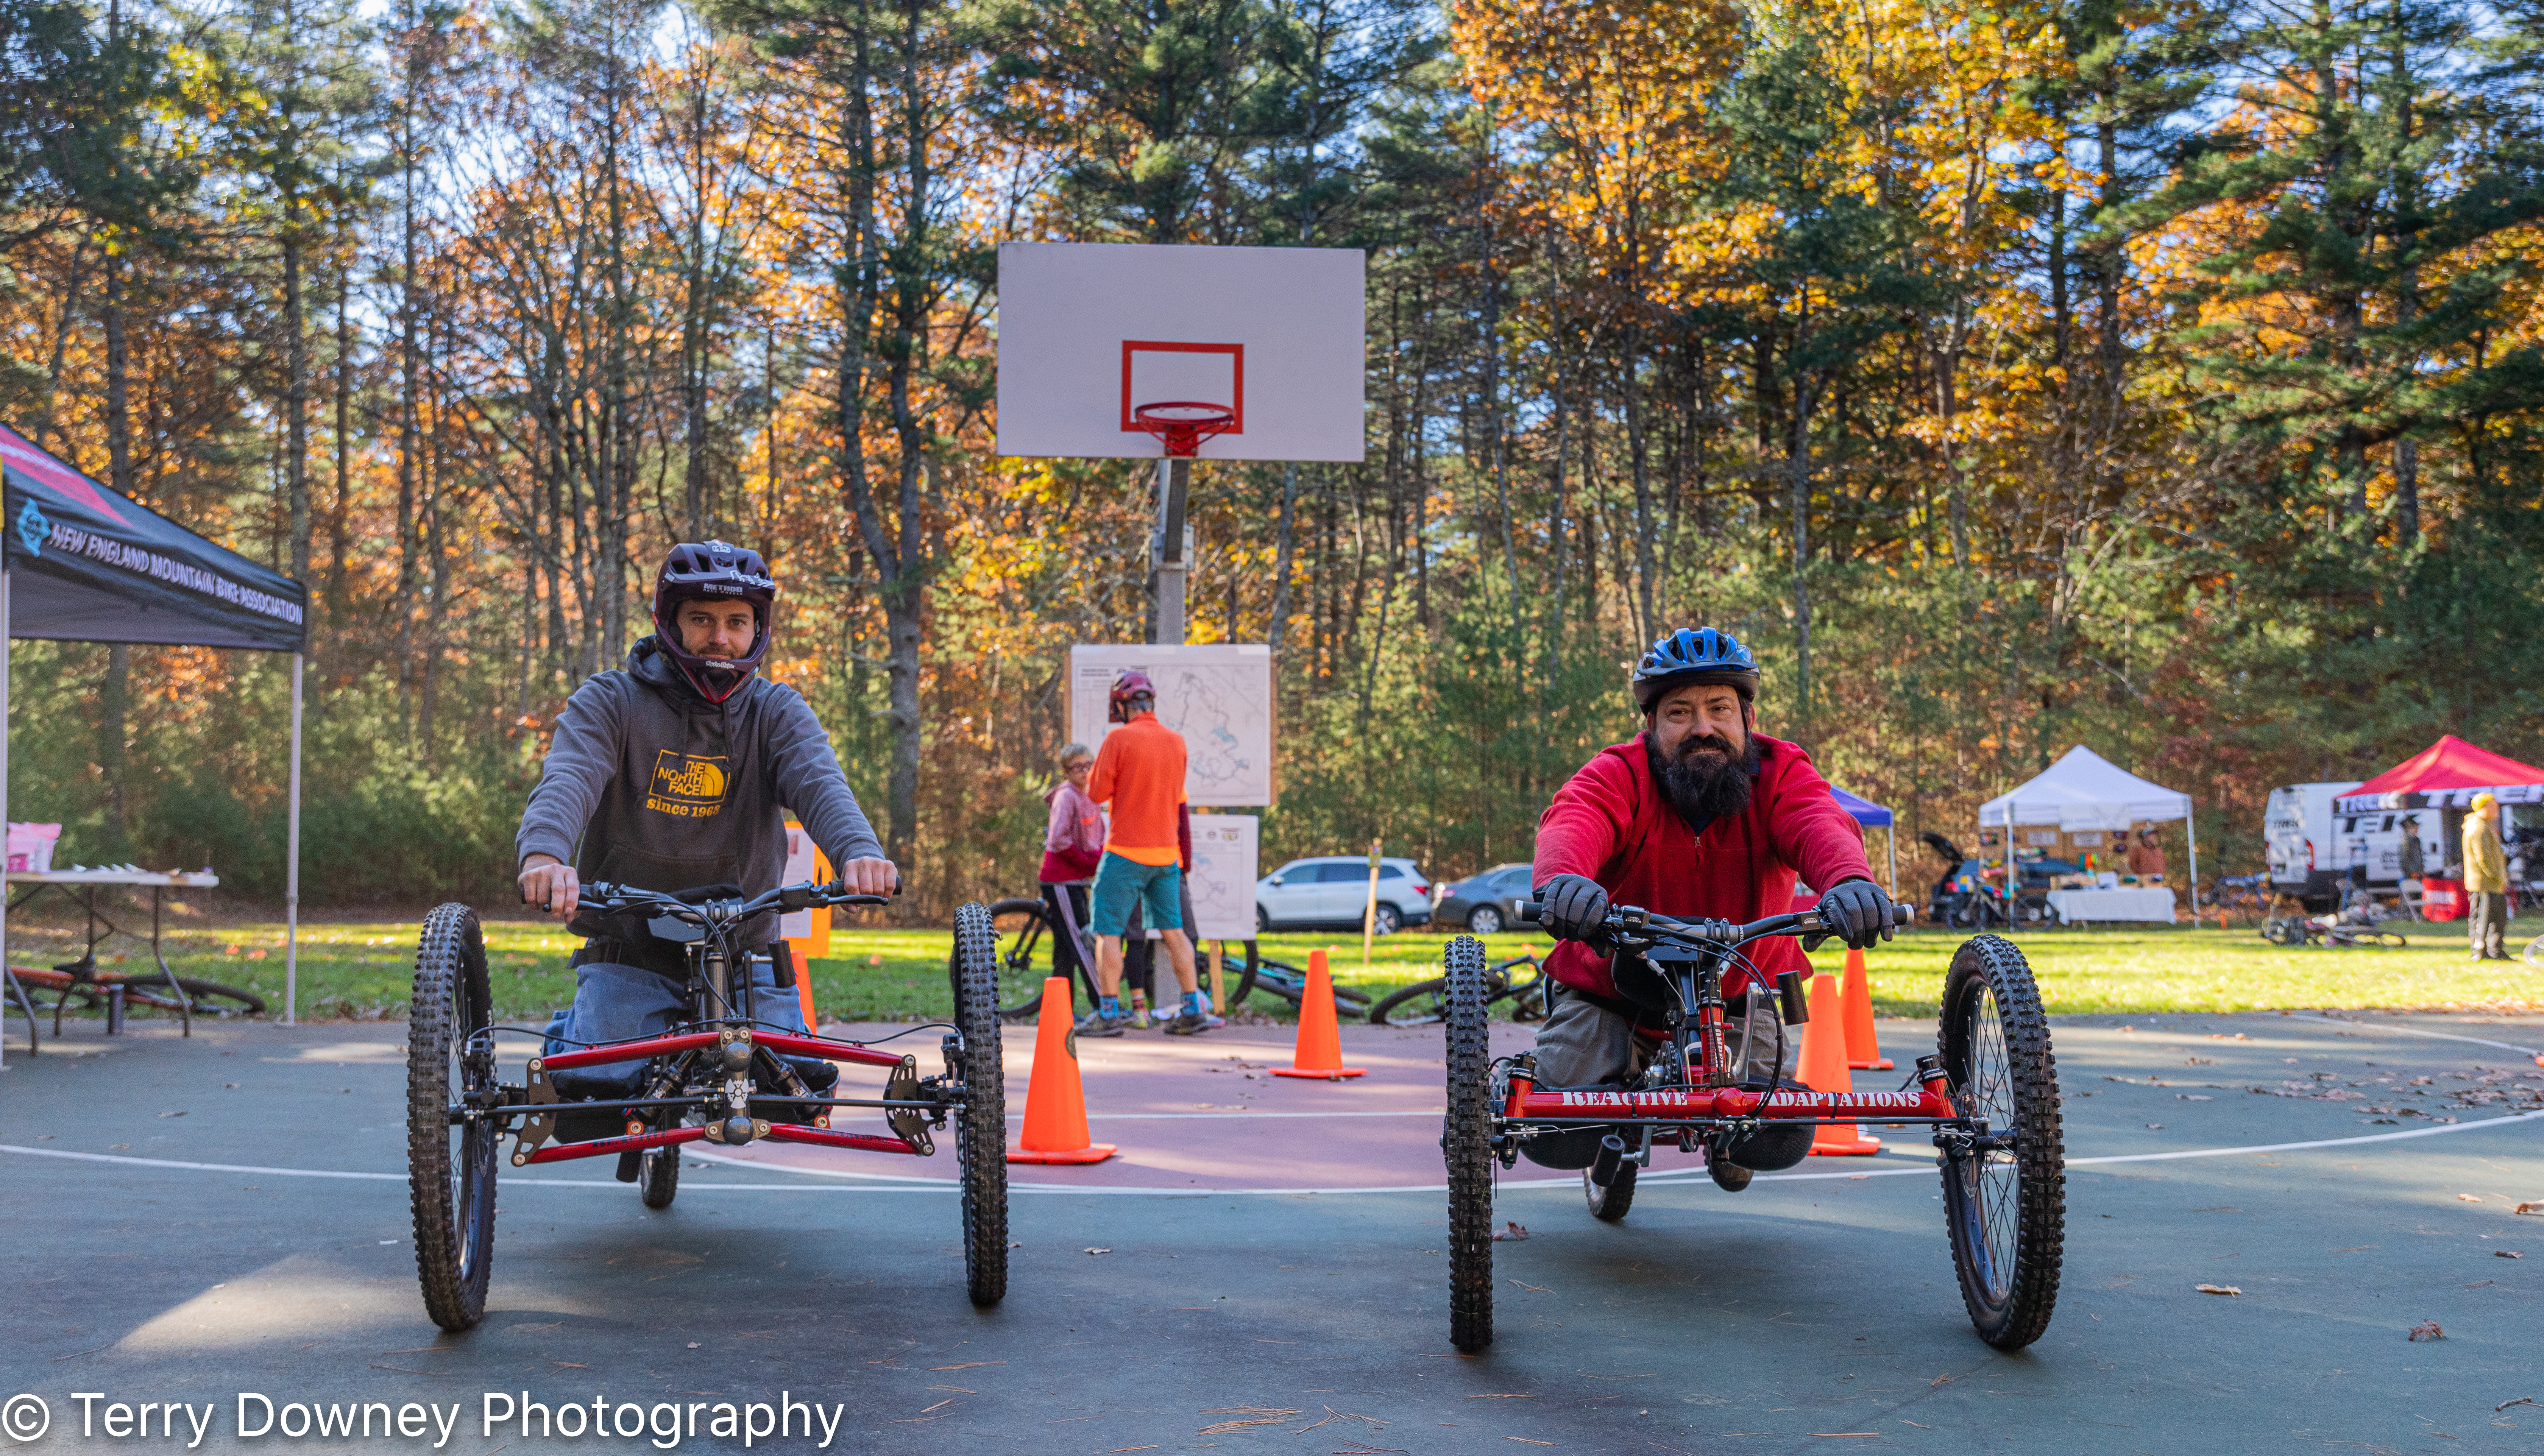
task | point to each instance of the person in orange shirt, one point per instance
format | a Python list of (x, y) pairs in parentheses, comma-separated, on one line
[(1140, 773)]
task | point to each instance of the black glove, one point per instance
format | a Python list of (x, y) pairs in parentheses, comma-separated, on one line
[(1574, 907), (1858, 912)]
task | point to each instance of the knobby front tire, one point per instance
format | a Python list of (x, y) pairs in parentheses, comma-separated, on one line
[(450, 1166), (1465, 1146), (2007, 1209), (981, 1122)]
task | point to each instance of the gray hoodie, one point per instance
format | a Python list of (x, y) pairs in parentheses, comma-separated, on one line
[(649, 783)]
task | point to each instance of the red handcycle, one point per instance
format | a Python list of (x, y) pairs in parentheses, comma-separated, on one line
[(1989, 1092), (722, 1076)]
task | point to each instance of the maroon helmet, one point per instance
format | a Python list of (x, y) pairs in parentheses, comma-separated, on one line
[(725, 573), (1130, 684)]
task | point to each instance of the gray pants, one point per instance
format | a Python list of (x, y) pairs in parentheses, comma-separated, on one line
[(1584, 1045), (1587, 1045), (2488, 923)]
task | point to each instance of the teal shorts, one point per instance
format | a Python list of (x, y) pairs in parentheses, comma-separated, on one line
[(1121, 884)]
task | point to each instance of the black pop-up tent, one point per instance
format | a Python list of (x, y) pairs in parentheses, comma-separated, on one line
[(83, 564)]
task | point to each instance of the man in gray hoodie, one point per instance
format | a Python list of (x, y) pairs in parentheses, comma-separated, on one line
[(675, 773)]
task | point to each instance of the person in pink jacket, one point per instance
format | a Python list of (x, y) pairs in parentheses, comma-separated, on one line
[(1073, 846)]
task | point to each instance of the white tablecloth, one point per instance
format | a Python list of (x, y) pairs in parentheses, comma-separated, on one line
[(2135, 902)]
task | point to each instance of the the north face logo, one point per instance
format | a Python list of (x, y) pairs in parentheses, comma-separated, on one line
[(691, 788)]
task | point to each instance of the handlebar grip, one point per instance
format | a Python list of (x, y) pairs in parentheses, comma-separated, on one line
[(1528, 910), (1901, 912)]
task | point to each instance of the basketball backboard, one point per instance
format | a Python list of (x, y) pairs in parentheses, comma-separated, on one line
[(1090, 331)]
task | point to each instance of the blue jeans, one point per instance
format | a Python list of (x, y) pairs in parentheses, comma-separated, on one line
[(614, 1003)]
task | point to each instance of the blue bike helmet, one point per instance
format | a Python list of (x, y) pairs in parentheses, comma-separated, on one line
[(1695, 654)]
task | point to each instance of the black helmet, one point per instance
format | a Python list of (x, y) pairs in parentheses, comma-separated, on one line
[(1692, 655), (725, 573)]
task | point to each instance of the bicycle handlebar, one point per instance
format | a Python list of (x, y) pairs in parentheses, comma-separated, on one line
[(1634, 919), (785, 897)]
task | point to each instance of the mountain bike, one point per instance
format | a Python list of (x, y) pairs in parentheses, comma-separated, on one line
[(1989, 1092), (721, 1076)]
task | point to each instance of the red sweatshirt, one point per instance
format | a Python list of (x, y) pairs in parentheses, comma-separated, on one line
[(1612, 823)]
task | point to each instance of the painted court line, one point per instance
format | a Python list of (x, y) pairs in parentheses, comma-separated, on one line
[(889, 1182)]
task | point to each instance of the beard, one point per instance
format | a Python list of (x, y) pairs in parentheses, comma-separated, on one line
[(1704, 786)]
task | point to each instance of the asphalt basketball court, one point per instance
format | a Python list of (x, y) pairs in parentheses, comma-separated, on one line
[(191, 1219)]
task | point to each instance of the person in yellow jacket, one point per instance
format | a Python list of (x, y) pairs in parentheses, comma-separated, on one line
[(2485, 881)]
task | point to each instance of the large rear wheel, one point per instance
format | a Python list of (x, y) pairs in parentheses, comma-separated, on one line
[(981, 1122), (451, 1155), (1466, 1146), (2006, 1197)]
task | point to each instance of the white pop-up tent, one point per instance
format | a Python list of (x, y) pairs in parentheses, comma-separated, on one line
[(79, 563), (2086, 791)]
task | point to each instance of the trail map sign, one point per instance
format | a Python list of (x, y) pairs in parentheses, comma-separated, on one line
[(1219, 697), (1224, 853)]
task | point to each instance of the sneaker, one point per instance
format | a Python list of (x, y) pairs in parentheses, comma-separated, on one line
[(1096, 1023), (1194, 1023)]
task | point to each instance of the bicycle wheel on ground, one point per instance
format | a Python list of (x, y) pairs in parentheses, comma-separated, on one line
[(202, 998), (1465, 1146), (658, 1176), (2005, 1200), (1420, 1004), (450, 1157), (1026, 955), (981, 1122)]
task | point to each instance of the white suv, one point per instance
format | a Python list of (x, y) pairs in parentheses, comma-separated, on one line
[(1333, 891)]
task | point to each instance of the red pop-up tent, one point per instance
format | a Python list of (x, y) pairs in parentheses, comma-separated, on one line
[(2446, 775)]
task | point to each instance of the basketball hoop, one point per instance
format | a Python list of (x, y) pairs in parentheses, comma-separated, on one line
[(1182, 424)]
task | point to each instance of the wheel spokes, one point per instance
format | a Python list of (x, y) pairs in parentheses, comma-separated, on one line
[(1992, 1175)]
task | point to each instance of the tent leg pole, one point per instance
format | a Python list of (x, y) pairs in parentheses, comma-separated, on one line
[(292, 867), (2191, 821)]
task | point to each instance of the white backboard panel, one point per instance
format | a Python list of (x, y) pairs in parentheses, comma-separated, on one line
[(1088, 331), (1224, 849), (1219, 697)]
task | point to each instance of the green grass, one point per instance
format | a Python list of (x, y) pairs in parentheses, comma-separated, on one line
[(360, 970)]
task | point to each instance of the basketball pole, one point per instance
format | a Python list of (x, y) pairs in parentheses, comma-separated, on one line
[(1166, 551)]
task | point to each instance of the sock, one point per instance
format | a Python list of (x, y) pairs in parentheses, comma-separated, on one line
[(1111, 1005), (1192, 1003)]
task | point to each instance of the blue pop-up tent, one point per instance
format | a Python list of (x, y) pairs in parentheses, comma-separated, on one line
[(79, 563), (1873, 817)]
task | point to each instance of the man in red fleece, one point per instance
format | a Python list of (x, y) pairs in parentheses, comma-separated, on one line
[(1697, 816)]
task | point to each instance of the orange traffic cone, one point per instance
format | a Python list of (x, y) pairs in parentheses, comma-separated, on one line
[(1854, 1008), (1321, 1041), (803, 985), (1054, 1104), (1824, 1070)]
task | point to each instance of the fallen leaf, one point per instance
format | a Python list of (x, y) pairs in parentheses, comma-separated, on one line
[(2505, 1254), (2155, 1128), (1904, 1421), (1513, 1233), (2428, 1329), (2468, 1197), (172, 1115), (2504, 1405), (1099, 1250), (966, 1365), (1524, 1439), (693, 1344), (2218, 1289), (1225, 1426), (2530, 1208)]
